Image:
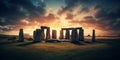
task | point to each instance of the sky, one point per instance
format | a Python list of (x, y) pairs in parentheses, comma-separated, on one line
[(101, 15)]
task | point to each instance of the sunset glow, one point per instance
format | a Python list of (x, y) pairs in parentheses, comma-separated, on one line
[(57, 14)]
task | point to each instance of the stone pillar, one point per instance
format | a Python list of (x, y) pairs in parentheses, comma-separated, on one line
[(61, 34), (81, 34), (67, 34), (48, 34), (42, 34), (37, 35), (21, 36), (93, 36), (34, 36), (74, 35), (54, 34)]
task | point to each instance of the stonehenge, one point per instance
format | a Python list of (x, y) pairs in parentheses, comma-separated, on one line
[(77, 34), (70, 34)]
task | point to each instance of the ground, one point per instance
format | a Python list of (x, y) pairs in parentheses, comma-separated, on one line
[(100, 50)]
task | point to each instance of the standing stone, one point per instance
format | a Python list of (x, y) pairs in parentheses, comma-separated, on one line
[(81, 34), (34, 36), (42, 34), (37, 35), (48, 34), (61, 34), (93, 36), (74, 35), (67, 34), (21, 36), (54, 34)]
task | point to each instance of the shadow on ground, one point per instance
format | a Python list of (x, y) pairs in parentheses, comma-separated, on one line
[(28, 43)]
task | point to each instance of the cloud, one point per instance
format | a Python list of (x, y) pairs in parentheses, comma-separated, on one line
[(16, 14), (104, 14), (47, 19), (100, 14), (12, 11), (70, 16)]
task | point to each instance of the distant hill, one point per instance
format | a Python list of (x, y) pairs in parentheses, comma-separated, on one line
[(7, 36)]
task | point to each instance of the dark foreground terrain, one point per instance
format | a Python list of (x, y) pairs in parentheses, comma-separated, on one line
[(108, 49)]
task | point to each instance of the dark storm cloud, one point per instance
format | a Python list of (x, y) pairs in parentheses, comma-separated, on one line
[(87, 4), (106, 12), (108, 19), (12, 11), (70, 4)]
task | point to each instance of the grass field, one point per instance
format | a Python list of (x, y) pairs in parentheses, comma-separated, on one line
[(101, 50)]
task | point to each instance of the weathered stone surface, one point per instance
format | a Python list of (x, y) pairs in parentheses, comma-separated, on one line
[(74, 35), (54, 34), (42, 34), (61, 34), (67, 34), (34, 36), (81, 34), (37, 35), (48, 34), (93, 36), (21, 36)]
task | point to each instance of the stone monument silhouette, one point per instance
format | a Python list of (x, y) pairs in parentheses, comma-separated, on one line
[(93, 36), (21, 36)]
